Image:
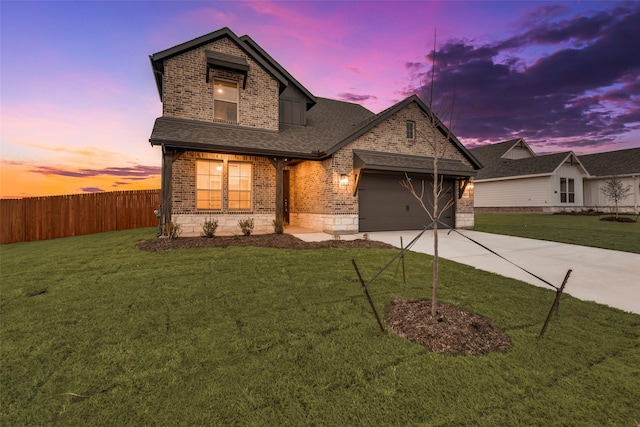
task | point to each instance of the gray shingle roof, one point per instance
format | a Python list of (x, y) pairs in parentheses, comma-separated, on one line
[(497, 167), (611, 163), (489, 154), (328, 123), (374, 160)]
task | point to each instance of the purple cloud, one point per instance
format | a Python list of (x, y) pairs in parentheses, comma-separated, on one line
[(135, 172), (352, 97), (91, 190), (587, 92)]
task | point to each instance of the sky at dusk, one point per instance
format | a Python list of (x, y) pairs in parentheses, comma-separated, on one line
[(78, 97)]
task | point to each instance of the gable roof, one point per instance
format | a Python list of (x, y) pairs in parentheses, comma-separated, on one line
[(375, 160), (157, 59), (256, 47), (498, 167), (328, 121), (330, 126), (491, 153), (613, 163), (374, 121)]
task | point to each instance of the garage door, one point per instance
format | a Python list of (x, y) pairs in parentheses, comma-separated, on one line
[(386, 205)]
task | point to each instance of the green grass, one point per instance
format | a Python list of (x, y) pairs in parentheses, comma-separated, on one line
[(575, 229), (95, 332)]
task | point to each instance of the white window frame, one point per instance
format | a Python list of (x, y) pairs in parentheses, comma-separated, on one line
[(567, 190)]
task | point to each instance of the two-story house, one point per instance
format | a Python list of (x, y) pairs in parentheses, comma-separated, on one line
[(242, 138)]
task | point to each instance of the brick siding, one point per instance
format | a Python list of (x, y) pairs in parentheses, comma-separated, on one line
[(263, 193), (316, 185), (317, 198), (187, 95)]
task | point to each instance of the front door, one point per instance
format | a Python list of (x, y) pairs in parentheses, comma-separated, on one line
[(285, 194)]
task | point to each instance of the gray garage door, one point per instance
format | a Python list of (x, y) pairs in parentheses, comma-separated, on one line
[(385, 205)]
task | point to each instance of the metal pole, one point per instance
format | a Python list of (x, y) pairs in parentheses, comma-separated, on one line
[(366, 292), (556, 302), (404, 275)]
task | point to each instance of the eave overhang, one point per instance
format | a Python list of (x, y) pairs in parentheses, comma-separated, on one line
[(158, 59), (392, 162), (225, 149), (223, 61), (384, 115)]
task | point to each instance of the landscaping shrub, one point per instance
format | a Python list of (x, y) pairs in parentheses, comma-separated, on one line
[(246, 225), (209, 228)]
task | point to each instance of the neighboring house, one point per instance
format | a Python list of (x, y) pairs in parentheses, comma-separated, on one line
[(242, 138), (514, 179), (624, 164)]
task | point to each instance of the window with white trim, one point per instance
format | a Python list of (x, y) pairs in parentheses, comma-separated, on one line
[(209, 184), (225, 100), (567, 190), (239, 191)]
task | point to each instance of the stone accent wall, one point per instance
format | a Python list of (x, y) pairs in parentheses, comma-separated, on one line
[(464, 207), (519, 209), (329, 223), (191, 224), (320, 202), (184, 194), (187, 95)]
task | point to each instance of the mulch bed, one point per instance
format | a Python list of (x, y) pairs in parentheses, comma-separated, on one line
[(280, 241), (453, 330), (619, 219)]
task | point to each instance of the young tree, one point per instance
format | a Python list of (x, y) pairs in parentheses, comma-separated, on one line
[(438, 144), (433, 210), (615, 191)]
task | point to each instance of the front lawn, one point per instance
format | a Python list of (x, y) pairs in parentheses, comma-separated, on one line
[(575, 229), (97, 332)]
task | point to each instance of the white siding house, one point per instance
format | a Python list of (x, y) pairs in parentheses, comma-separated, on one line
[(623, 164), (514, 179)]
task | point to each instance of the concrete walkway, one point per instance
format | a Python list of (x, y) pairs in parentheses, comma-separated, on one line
[(605, 276)]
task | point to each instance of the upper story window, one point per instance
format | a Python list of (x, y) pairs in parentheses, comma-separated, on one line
[(208, 184), (225, 101), (411, 128), (567, 190)]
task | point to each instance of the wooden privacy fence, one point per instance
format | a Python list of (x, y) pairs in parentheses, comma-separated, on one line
[(41, 218)]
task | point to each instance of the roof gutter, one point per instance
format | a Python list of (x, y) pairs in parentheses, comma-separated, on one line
[(194, 146), (511, 177)]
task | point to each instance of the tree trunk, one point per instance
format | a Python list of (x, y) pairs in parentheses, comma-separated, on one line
[(434, 284)]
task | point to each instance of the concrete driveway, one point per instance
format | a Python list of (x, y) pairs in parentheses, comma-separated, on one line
[(601, 275)]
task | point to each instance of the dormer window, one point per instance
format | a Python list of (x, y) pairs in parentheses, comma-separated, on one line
[(225, 101), (411, 127)]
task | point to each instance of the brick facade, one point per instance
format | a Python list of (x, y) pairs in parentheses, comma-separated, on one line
[(188, 95), (184, 194), (320, 199), (317, 198)]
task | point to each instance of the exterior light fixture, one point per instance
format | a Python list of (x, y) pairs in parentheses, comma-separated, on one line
[(344, 180)]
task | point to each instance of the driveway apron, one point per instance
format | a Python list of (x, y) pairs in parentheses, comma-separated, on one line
[(604, 276)]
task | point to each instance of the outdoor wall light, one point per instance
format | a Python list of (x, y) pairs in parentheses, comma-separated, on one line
[(344, 180)]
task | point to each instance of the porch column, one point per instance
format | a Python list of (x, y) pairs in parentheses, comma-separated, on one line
[(168, 157), (279, 164)]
